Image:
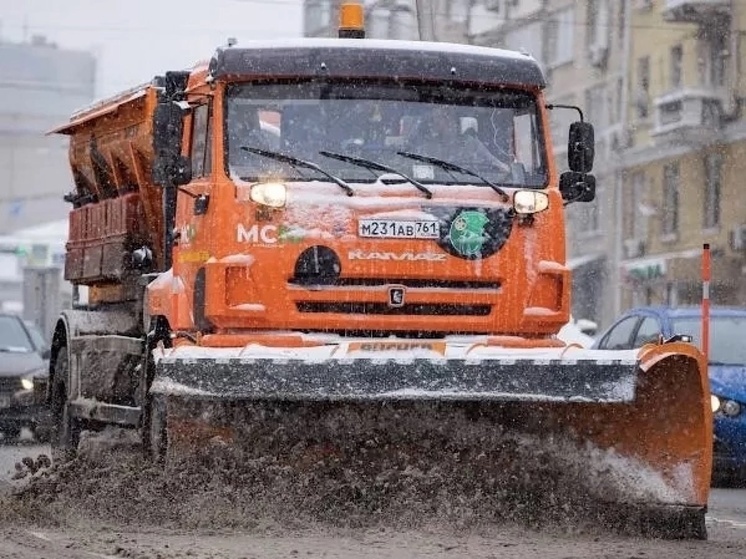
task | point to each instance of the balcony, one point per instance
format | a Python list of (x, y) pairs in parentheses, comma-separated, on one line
[(688, 116), (695, 11)]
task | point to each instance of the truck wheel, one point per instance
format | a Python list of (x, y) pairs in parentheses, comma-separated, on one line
[(65, 433)]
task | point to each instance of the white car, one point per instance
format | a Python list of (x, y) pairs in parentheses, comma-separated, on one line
[(574, 332)]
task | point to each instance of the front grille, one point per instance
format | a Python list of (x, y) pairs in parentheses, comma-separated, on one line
[(384, 309), (10, 385), (413, 283)]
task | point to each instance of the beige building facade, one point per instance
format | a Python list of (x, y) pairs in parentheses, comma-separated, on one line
[(686, 157)]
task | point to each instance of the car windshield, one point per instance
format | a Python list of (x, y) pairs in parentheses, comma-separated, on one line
[(726, 337), (13, 337), (494, 133), (38, 338)]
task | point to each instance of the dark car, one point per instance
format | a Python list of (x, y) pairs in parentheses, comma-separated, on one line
[(727, 369), (24, 370)]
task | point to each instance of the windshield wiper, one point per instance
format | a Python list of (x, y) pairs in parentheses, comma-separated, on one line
[(366, 163), (296, 162), (448, 166)]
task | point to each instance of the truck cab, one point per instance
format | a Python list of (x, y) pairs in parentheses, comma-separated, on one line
[(351, 186)]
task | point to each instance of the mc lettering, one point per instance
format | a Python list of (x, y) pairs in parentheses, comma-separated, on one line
[(266, 234)]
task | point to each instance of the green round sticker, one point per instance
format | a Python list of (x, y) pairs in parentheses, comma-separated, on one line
[(467, 235)]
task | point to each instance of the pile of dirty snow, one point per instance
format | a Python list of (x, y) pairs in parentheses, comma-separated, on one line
[(463, 473)]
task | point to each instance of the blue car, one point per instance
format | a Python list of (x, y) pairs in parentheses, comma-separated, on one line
[(727, 369)]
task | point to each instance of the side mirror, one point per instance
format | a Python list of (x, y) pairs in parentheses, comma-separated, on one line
[(181, 170), (581, 147), (170, 168), (46, 353), (577, 187)]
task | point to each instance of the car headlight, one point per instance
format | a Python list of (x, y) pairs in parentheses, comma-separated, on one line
[(527, 202), (272, 194), (731, 408), (714, 402), (27, 383)]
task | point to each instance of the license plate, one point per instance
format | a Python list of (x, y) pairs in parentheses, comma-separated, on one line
[(4, 401), (398, 229)]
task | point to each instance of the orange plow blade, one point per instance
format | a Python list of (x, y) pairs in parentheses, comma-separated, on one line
[(489, 433)]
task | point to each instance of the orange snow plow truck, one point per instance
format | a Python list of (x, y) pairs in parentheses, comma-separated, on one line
[(321, 249)]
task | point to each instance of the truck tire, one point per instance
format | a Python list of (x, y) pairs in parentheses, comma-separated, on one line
[(65, 433)]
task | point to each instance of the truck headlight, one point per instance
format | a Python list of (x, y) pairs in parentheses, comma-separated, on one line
[(530, 202), (272, 194), (27, 383), (714, 402)]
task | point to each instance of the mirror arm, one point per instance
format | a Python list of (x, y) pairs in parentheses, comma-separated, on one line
[(552, 106)]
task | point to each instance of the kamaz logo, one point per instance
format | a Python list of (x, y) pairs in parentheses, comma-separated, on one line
[(397, 256)]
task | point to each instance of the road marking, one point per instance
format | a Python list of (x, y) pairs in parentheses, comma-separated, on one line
[(45, 538), (40, 536), (728, 521)]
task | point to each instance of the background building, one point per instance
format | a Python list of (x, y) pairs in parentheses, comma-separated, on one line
[(685, 160), (580, 46), (661, 82), (40, 85)]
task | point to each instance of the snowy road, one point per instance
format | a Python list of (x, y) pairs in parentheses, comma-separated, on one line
[(727, 531)]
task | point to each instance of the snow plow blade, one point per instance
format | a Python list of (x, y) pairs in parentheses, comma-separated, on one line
[(534, 434)]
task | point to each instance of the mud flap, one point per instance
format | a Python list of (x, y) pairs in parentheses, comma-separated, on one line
[(511, 437)]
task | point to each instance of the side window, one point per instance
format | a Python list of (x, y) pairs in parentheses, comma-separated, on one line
[(524, 129), (648, 331), (201, 140), (620, 336)]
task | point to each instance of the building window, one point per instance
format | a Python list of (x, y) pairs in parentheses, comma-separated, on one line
[(317, 15), (643, 88), (672, 294), (670, 209), (717, 58), (560, 34), (677, 59), (560, 125), (528, 37), (621, 21), (713, 168), (598, 23), (458, 10), (596, 107), (589, 218), (633, 222)]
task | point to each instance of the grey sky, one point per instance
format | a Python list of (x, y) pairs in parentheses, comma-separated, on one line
[(136, 39)]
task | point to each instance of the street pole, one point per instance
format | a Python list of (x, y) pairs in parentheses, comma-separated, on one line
[(426, 19)]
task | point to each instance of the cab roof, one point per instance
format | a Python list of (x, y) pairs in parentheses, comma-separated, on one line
[(375, 58)]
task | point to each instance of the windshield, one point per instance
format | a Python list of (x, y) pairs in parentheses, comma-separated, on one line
[(38, 338), (495, 133), (13, 336), (726, 337)]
